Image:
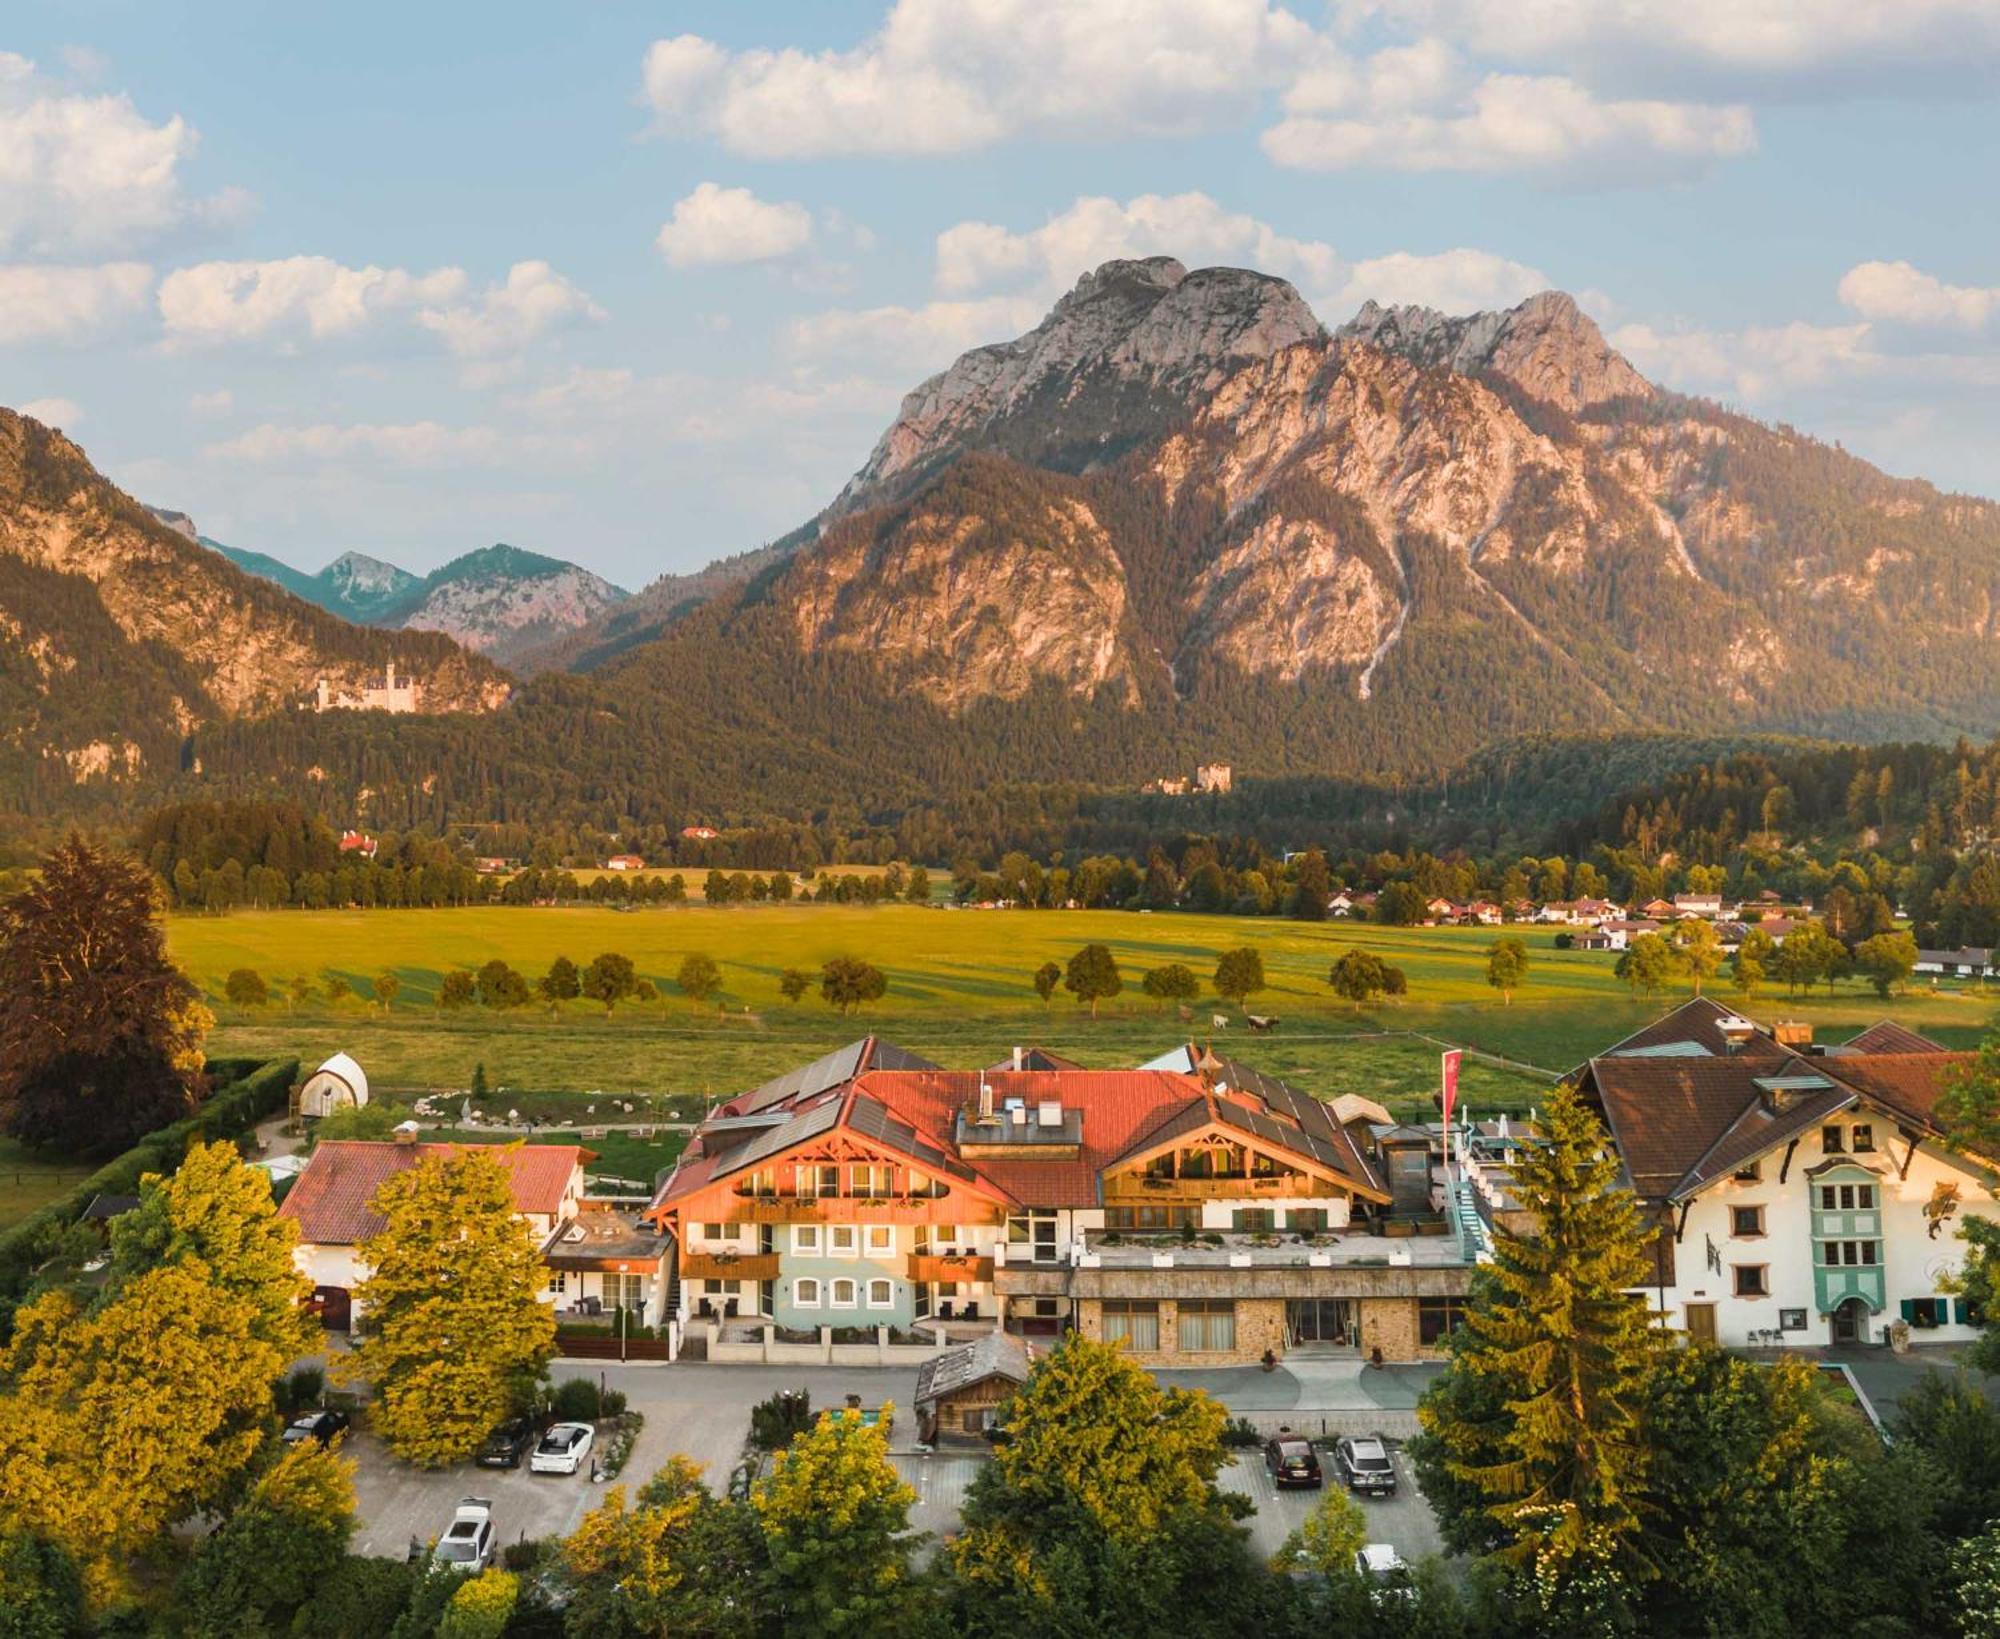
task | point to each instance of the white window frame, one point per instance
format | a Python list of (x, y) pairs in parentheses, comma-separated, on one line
[(833, 1289), (806, 1293), (806, 1241), (879, 1240), (888, 1287), (559, 1281), (834, 1234)]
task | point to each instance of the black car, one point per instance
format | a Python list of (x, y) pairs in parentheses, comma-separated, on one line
[(1292, 1461), (508, 1444), (320, 1426), (1364, 1463)]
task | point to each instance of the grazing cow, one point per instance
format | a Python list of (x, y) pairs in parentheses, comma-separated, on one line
[(1260, 1023)]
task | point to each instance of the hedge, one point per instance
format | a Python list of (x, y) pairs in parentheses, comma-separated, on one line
[(245, 1092)]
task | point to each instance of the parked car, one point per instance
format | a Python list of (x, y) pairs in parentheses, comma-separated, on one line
[(319, 1426), (562, 1449), (1292, 1461), (1364, 1464), (467, 1542), (1385, 1571), (508, 1444)]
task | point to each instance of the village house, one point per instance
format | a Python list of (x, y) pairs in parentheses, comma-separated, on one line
[(1195, 1210), (1345, 903), (358, 842), (625, 862), (1578, 913), (959, 1390), (699, 833), (1482, 912), (1441, 910), (1800, 1195), (1707, 906), (598, 1260), (1967, 962)]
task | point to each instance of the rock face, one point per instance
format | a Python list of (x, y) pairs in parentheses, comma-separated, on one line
[(507, 603), (499, 601), (1133, 345), (119, 634), (1546, 347), (1435, 530)]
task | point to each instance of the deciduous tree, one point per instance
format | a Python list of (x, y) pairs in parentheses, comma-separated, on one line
[(245, 987), (1507, 966), (1887, 959), (270, 1554), (1239, 975), (836, 1519), (100, 1034), (1697, 949), (1092, 976), (456, 991), (1646, 965), (1327, 1540), (699, 978), (610, 978), (454, 1332), (1358, 977), (1048, 977), (1174, 982), (560, 983), (847, 982), (793, 983)]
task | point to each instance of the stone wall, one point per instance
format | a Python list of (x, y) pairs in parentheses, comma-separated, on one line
[(1390, 1324), (1260, 1325)]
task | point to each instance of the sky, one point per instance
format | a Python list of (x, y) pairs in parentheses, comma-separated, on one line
[(640, 286)]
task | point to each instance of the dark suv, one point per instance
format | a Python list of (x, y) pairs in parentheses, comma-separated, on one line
[(1364, 1463), (317, 1426), (1292, 1461), (508, 1444)]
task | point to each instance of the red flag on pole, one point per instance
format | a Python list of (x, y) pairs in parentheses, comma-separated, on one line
[(1450, 1074)]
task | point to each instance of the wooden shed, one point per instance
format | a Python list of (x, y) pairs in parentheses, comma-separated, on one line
[(959, 1389)]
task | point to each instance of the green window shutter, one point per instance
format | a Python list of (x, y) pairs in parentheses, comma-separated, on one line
[(1961, 1312), (1910, 1310), (1236, 1220)]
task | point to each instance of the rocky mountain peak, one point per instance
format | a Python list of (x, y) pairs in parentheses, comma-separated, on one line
[(1133, 345), (1547, 346)]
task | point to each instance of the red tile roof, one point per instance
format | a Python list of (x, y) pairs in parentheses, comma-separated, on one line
[(330, 1200)]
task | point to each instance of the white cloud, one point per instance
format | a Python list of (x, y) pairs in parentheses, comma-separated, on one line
[(1903, 294), (50, 303), (902, 340), (219, 402), (946, 76), (310, 295), (504, 318), (1753, 364), (412, 444), (60, 413), (1191, 226), (1731, 45), (1452, 281), (88, 173), (715, 226), (1546, 125)]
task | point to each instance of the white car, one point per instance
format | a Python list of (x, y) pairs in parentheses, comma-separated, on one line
[(467, 1543), (562, 1449), (1385, 1570)]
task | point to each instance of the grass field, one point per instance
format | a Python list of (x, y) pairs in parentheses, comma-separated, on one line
[(28, 1181), (958, 992)]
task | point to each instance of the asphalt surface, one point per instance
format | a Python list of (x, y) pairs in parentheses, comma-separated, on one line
[(703, 1412)]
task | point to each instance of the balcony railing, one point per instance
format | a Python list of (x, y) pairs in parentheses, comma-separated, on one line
[(950, 1267), (729, 1266), (853, 1209), (1127, 1187)]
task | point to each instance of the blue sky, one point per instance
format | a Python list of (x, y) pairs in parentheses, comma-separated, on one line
[(640, 285)]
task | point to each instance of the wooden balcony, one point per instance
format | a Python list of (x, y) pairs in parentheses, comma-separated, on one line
[(1133, 1189), (729, 1266), (853, 1209), (952, 1267)]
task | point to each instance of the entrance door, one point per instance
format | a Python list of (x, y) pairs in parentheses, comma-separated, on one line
[(1701, 1322), (1328, 1322), (1850, 1321)]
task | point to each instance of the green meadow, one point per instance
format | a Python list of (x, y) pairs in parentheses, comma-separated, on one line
[(959, 992)]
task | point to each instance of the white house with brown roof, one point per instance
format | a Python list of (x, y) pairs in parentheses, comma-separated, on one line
[(332, 1202), (1801, 1196)]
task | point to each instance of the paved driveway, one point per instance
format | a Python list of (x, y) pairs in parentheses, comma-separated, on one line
[(395, 1502), (1404, 1520)]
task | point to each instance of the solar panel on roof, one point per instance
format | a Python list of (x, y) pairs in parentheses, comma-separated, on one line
[(808, 1124), (873, 1119), (888, 1056), (831, 1070), (1665, 1050)]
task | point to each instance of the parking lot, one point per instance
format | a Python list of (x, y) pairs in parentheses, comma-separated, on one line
[(703, 1412)]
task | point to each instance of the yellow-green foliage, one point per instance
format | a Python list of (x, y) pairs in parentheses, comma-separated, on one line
[(1327, 1539), (834, 1514), (454, 1332), (482, 1607)]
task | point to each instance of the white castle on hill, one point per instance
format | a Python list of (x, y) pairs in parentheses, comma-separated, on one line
[(385, 693)]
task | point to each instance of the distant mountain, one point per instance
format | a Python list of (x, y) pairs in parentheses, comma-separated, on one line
[(501, 601), (120, 637)]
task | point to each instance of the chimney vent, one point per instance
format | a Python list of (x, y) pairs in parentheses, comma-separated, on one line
[(1017, 1058), (985, 1100), (406, 1132)]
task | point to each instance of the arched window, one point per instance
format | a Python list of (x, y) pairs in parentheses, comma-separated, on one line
[(843, 1293), (805, 1293), (881, 1294)]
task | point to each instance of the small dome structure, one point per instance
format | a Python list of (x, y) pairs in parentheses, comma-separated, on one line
[(338, 1082)]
